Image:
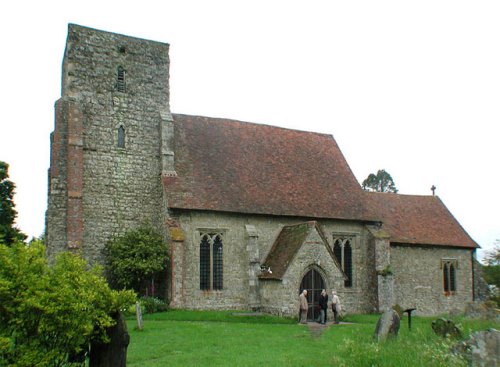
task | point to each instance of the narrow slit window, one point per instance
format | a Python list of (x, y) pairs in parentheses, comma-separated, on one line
[(120, 81), (121, 137), (348, 264)]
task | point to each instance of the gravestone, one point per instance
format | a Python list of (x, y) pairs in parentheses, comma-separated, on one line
[(138, 315), (114, 353), (446, 328), (387, 325), (481, 349)]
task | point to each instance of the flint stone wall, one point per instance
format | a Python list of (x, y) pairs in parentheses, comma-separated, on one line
[(121, 186), (280, 297), (418, 278)]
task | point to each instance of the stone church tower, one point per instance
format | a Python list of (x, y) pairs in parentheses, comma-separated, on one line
[(110, 145)]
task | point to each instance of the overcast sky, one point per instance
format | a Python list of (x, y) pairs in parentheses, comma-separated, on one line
[(412, 87)]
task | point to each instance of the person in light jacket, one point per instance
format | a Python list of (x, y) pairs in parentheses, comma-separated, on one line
[(303, 306), (335, 307)]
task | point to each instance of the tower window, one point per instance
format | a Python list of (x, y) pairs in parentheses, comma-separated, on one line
[(120, 80), (211, 264), (121, 137), (342, 249)]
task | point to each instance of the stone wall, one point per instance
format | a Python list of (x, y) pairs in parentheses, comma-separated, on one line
[(418, 278), (276, 296), (281, 297), (120, 186)]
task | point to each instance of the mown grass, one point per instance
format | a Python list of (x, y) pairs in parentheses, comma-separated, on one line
[(199, 338)]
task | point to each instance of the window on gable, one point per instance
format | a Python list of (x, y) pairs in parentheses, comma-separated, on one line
[(121, 137), (449, 267), (120, 80), (211, 261), (342, 249)]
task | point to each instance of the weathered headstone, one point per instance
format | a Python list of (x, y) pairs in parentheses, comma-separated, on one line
[(482, 310), (387, 325), (481, 349), (446, 328), (138, 315), (114, 353)]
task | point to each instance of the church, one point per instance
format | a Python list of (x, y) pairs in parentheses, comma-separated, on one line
[(253, 213)]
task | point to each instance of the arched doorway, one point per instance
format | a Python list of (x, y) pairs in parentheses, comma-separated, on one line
[(313, 282)]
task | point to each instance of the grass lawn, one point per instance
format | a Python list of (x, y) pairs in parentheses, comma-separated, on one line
[(199, 338)]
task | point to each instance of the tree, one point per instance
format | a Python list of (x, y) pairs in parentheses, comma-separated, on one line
[(381, 182), (50, 313), (491, 271), (8, 233), (136, 259)]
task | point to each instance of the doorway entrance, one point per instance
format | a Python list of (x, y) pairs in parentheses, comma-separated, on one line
[(312, 282)]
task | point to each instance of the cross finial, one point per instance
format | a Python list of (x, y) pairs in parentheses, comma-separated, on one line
[(433, 188)]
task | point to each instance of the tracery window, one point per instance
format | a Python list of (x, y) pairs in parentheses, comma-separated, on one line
[(342, 249), (121, 137), (449, 267), (211, 261), (120, 80)]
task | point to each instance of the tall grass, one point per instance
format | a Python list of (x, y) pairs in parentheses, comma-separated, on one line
[(190, 338)]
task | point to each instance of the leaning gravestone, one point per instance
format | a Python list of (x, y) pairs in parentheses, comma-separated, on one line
[(481, 349), (387, 325), (446, 328)]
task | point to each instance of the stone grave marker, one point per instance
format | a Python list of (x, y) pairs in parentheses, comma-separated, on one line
[(387, 325), (446, 328), (138, 315)]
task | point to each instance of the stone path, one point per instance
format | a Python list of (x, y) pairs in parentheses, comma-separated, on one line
[(317, 329)]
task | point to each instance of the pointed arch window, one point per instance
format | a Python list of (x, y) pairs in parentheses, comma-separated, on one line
[(342, 249), (120, 79), (449, 267), (211, 261), (121, 137)]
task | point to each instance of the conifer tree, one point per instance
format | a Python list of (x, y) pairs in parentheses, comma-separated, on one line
[(8, 233)]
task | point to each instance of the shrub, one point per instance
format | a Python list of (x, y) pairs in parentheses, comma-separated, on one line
[(136, 258), (48, 313), (153, 305)]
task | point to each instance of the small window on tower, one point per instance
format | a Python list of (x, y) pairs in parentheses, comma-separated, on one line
[(120, 82), (121, 137)]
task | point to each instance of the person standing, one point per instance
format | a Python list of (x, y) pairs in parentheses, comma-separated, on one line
[(335, 307), (323, 306), (303, 306)]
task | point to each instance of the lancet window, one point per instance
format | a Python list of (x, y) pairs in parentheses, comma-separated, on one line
[(449, 267), (342, 249), (211, 261)]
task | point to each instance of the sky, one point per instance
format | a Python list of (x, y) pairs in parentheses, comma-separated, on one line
[(412, 87)]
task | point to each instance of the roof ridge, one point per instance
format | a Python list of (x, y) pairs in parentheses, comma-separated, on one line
[(227, 119)]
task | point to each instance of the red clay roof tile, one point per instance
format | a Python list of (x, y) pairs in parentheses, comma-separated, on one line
[(235, 166), (423, 220)]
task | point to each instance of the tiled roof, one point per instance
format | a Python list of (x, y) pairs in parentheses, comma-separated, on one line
[(286, 246), (423, 220), (234, 166)]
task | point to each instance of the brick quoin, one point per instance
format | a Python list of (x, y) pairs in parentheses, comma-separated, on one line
[(75, 177)]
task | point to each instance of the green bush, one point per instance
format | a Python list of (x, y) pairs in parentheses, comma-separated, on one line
[(134, 260), (153, 305), (50, 312)]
